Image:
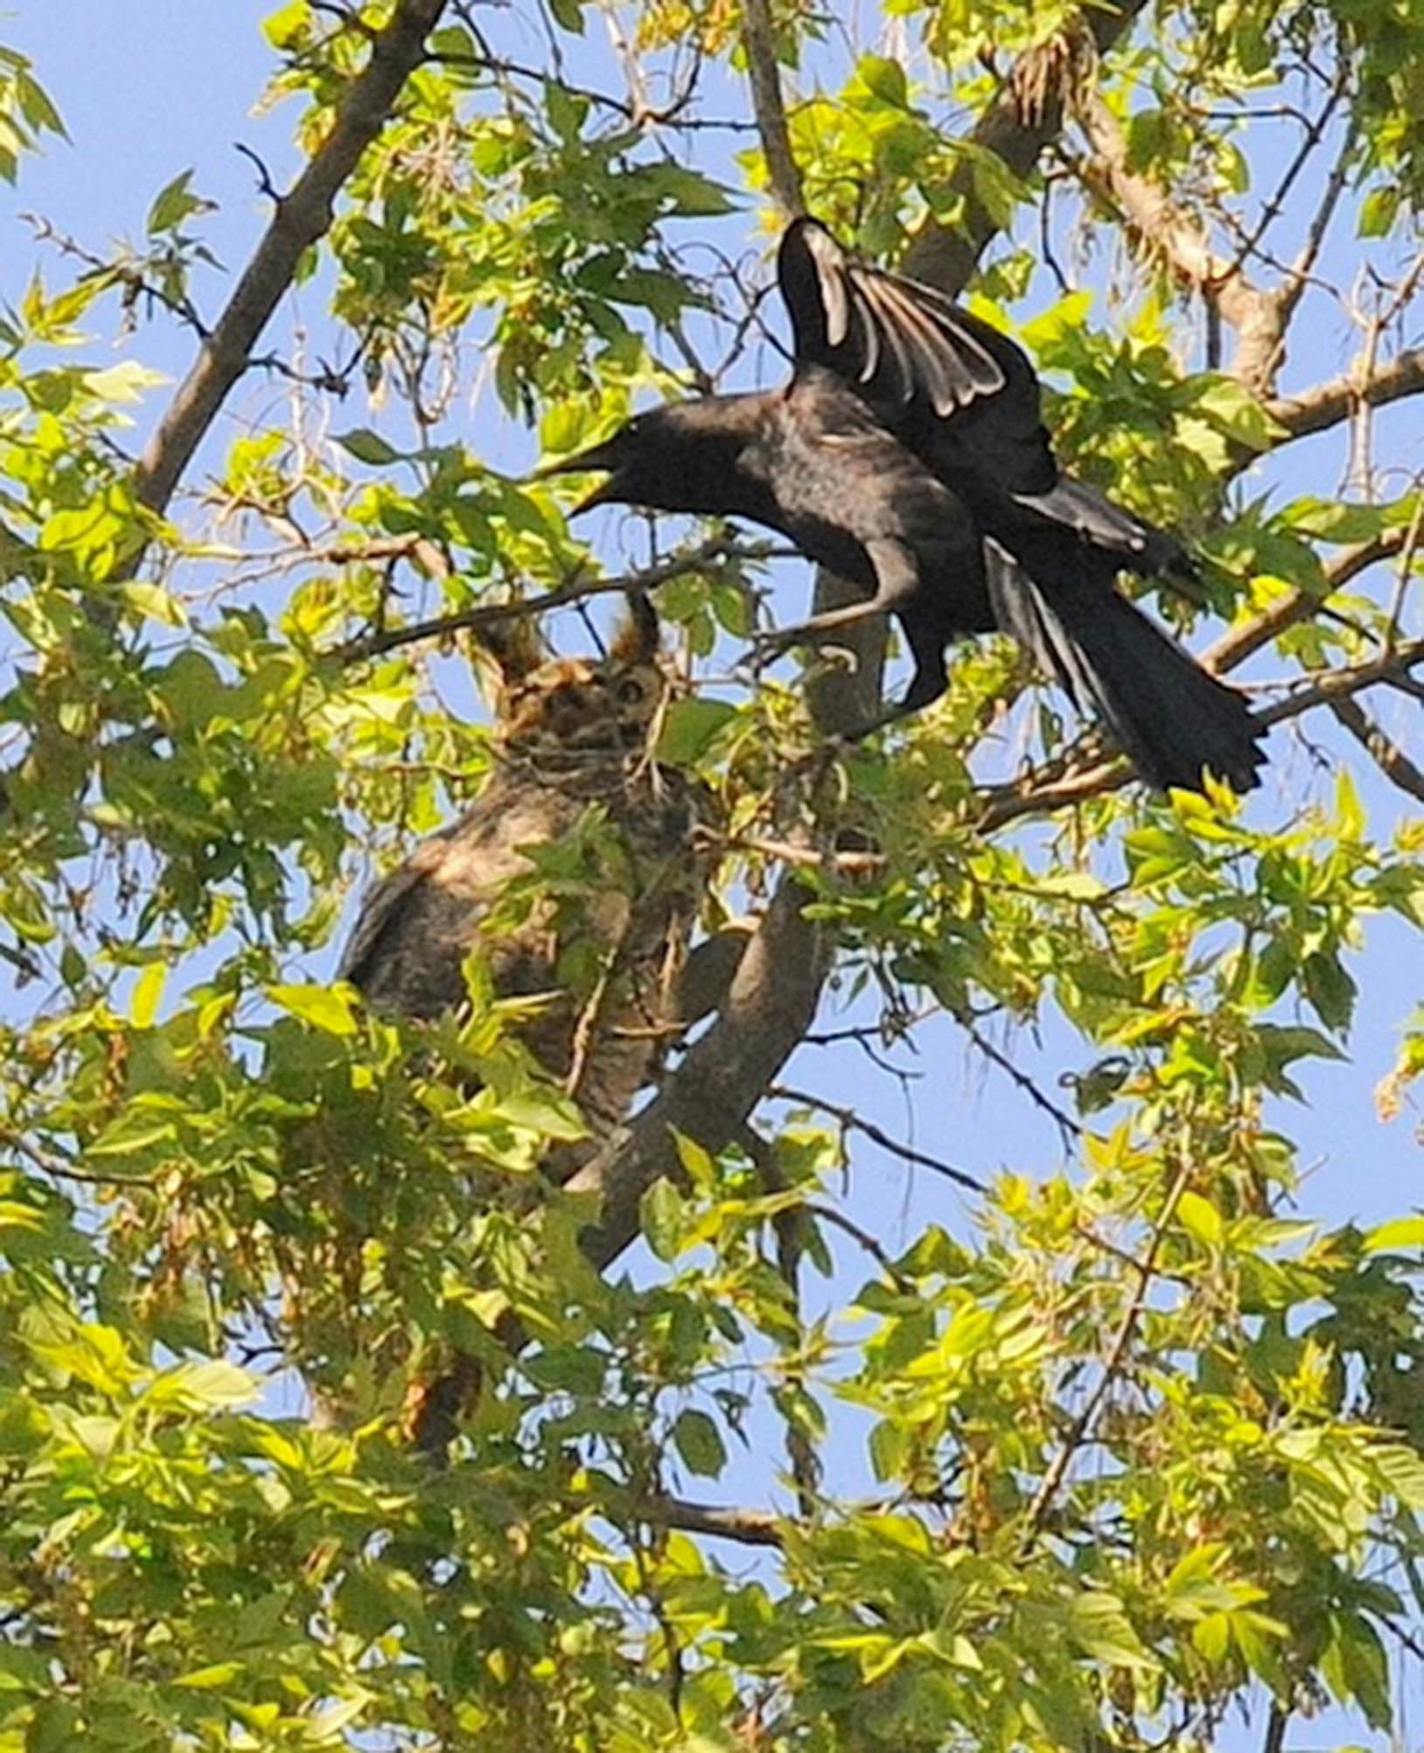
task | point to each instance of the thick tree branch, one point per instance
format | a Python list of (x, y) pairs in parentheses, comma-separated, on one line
[(747, 1527), (1160, 226), (768, 1009), (1327, 404), (1027, 117), (302, 216)]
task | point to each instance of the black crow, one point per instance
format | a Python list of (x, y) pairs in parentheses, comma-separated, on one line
[(907, 454)]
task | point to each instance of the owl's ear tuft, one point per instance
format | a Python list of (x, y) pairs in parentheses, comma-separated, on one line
[(505, 652), (638, 635)]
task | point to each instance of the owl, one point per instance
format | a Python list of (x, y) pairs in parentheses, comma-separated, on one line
[(574, 771)]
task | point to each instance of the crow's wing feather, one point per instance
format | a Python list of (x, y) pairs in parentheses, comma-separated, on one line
[(931, 371)]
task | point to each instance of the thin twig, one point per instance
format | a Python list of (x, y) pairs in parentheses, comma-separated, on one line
[(707, 554), (1314, 134), (838, 1220), (1081, 1428), (1066, 1123), (850, 1121)]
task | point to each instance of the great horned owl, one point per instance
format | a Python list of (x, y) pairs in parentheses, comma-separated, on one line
[(573, 757)]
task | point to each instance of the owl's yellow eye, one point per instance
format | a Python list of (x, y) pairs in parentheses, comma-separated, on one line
[(630, 692)]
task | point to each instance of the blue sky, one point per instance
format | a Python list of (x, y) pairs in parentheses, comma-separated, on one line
[(149, 88)]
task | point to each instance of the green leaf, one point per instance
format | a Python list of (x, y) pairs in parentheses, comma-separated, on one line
[(1099, 1625), (174, 203), (148, 995), (1398, 1233), (700, 1444), (883, 79), (202, 1387), (1329, 988), (367, 447), (209, 1679), (1379, 210), (1287, 1043), (693, 195), (1200, 1219), (36, 107), (663, 1219), (324, 1007), (1232, 409), (891, 1445), (53, 1728), (696, 1161), (155, 604), (690, 728)]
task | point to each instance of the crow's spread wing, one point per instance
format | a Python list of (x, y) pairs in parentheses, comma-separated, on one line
[(950, 386)]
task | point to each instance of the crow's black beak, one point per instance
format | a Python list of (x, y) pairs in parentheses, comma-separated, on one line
[(597, 456)]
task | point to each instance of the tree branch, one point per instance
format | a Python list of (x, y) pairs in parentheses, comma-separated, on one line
[(768, 1008), (764, 77), (1005, 803), (1016, 129), (1327, 404), (1329, 686), (850, 1121), (747, 1527), (1159, 226), (1386, 754), (302, 216), (1236, 645), (698, 559)]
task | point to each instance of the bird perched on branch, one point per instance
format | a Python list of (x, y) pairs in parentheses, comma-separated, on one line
[(908, 455), (577, 876), (602, 944)]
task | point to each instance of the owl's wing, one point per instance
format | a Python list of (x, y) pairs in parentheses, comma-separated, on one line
[(927, 369), (383, 907)]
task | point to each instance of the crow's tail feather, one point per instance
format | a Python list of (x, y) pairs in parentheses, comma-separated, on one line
[(1167, 713)]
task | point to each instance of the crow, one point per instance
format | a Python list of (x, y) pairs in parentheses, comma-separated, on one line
[(907, 453)]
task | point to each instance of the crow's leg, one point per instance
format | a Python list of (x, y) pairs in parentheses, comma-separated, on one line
[(897, 579)]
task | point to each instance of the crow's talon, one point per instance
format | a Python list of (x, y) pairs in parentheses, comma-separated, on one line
[(766, 648)]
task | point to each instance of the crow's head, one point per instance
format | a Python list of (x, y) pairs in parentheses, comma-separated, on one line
[(681, 457)]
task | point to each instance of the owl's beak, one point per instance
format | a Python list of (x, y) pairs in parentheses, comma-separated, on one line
[(597, 456)]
